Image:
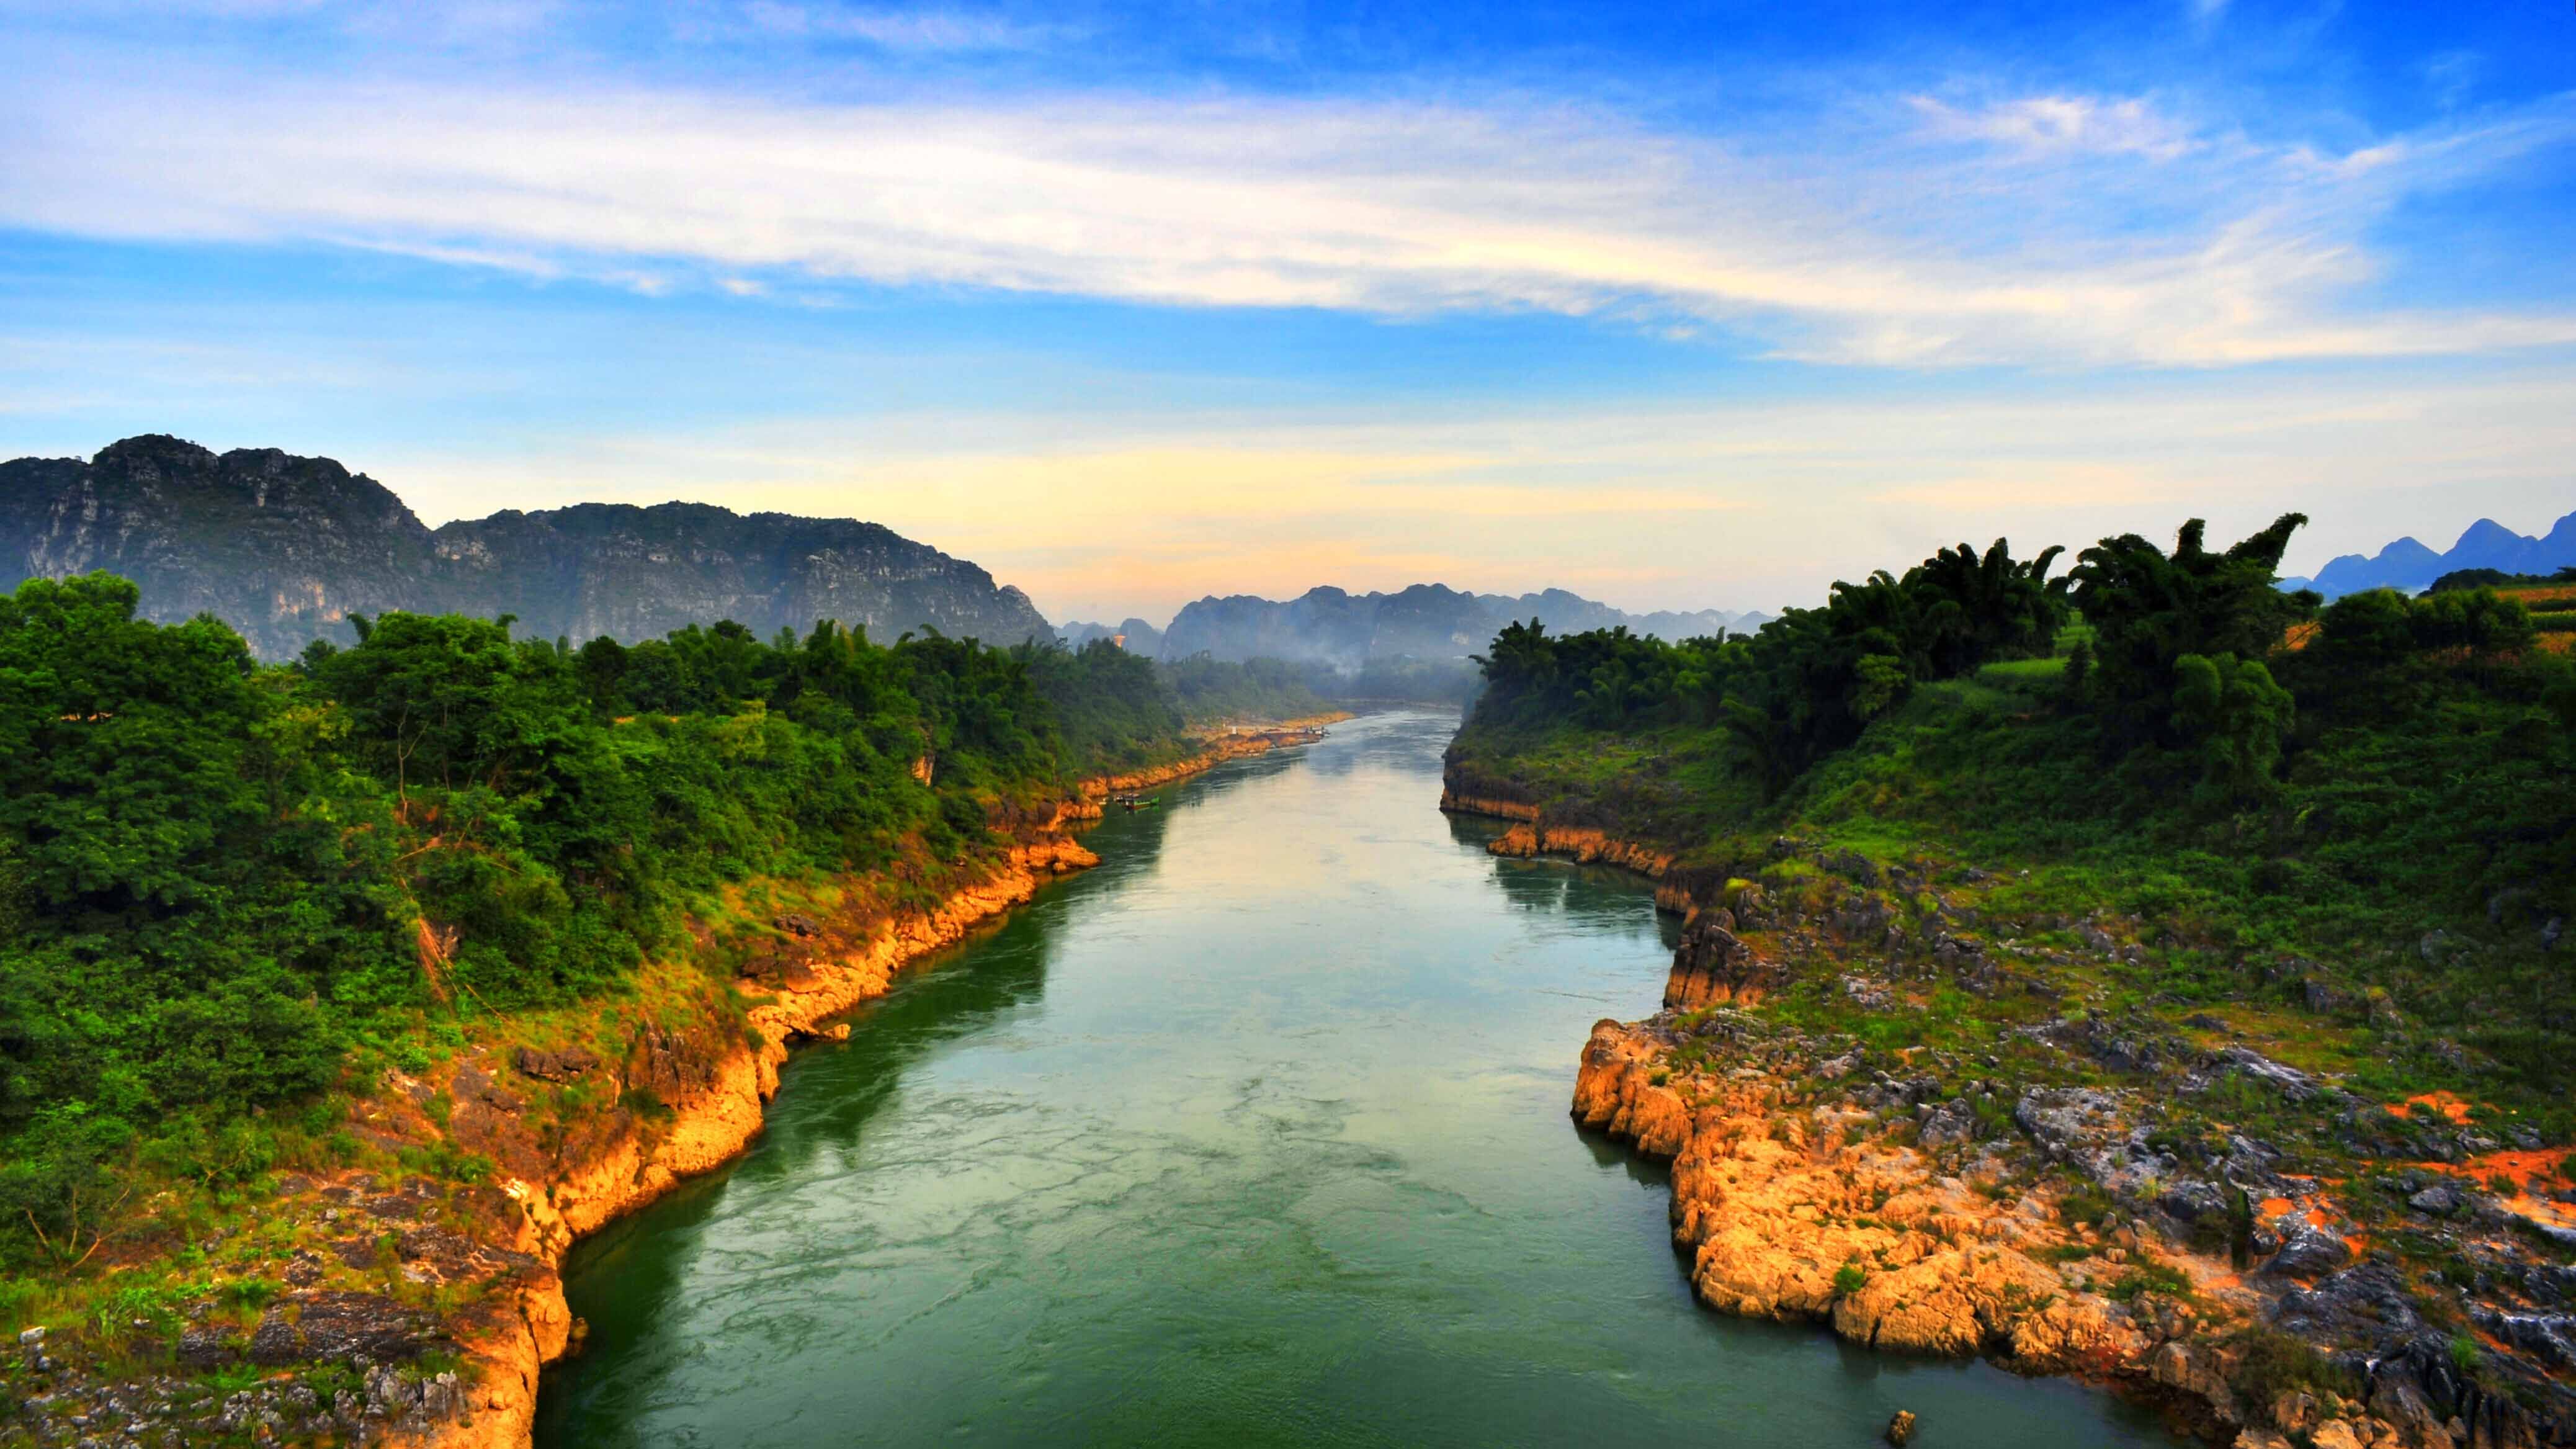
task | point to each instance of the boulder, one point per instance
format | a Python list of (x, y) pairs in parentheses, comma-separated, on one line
[(2440, 1200), (2121, 1052), (1861, 918), (2368, 1304), (1951, 1122), (2195, 1371), (204, 1349), (2548, 1337), (1712, 965), (2307, 1251), (2087, 1128), (308, 1326), (1850, 864), (2190, 1199), (565, 1065), (2297, 1085)]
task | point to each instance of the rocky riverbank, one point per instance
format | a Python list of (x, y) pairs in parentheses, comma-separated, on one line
[(1896, 1112), (1230, 744), (421, 1304), (1531, 835)]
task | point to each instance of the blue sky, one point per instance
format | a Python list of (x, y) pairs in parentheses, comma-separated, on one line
[(1678, 306)]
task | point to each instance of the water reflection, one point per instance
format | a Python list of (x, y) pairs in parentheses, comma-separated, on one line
[(1597, 896), (1255, 1135)]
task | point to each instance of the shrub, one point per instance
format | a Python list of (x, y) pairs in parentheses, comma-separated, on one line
[(2148, 1278), (2272, 1363)]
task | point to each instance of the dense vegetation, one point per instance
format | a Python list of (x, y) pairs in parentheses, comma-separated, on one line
[(2295, 794), (1809, 681), (2497, 579), (221, 884), (1214, 691)]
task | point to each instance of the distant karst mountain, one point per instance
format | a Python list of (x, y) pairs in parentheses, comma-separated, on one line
[(2410, 566), (285, 549), (1425, 622), (1135, 636)]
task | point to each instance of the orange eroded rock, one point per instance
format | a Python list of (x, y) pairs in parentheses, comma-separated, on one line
[(1531, 836), (1812, 1215)]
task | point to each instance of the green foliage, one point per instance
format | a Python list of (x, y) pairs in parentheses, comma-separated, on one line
[(1850, 1278), (2084, 1203), (2190, 754), (1211, 690), (1121, 711), (2271, 1363), (2149, 609), (2147, 1278), (2232, 713), (2379, 627), (2497, 578), (1810, 681), (218, 880)]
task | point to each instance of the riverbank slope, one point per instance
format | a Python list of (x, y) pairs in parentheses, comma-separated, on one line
[(1950, 1065), (418, 1303)]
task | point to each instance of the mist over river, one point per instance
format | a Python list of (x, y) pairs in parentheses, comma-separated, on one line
[(1255, 1134)]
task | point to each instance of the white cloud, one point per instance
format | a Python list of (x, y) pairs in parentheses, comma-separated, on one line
[(2053, 230), (897, 30), (2063, 123)]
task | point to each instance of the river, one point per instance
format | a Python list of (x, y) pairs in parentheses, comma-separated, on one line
[(1256, 1134)]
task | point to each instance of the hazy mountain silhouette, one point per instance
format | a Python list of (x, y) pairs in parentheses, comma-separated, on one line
[(2409, 565)]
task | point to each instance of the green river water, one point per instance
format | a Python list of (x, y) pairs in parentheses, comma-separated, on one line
[(1256, 1134)]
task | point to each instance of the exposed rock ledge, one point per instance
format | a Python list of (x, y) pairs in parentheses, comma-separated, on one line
[(1532, 834), (1901, 1233)]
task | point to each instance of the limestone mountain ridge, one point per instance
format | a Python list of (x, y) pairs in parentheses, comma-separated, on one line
[(286, 548)]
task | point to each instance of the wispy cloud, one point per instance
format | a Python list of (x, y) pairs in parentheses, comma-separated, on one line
[(2022, 242), (897, 30), (2129, 126)]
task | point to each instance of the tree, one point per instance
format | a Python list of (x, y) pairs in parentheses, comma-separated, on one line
[(2234, 714), (2368, 630), (2148, 609), (449, 701)]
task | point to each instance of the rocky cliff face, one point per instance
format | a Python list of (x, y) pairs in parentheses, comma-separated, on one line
[(285, 549), (1426, 621)]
